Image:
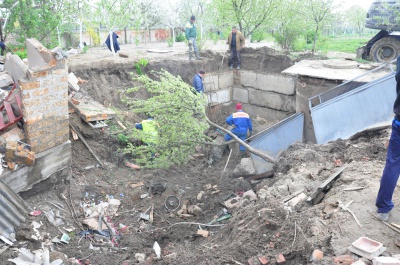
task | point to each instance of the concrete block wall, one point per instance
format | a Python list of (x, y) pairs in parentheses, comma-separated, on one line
[(218, 87), (267, 90), (44, 94)]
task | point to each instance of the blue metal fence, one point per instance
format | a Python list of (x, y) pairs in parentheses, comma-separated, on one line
[(364, 107), (276, 139)]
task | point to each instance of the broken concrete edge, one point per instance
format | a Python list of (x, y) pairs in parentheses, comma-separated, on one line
[(48, 163), (39, 56), (15, 67)]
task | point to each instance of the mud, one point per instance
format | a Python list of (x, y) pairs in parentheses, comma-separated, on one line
[(264, 227)]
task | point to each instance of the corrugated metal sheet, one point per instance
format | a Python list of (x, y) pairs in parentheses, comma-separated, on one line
[(276, 139), (13, 211), (364, 107)]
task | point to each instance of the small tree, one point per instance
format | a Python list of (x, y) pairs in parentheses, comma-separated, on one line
[(179, 112)]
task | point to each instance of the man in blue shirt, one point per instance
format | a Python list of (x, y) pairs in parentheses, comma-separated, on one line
[(242, 122), (198, 81), (391, 171)]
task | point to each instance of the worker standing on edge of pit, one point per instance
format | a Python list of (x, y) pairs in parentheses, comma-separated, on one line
[(391, 171), (191, 35), (198, 81), (236, 42), (242, 122)]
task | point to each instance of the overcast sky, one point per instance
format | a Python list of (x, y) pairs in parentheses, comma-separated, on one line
[(349, 3)]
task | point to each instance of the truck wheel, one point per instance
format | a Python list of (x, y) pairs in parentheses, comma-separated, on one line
[(385, 50)]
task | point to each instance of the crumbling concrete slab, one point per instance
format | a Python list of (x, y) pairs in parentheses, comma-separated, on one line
[(225, 80), (246, 167), (248, 79), (316, 69), (90, 110), (241, 95), (73, 82), (276, 83), (5, 79), (219, 97), (47, 163), (211, 83), (15, 67), (38, 55), (272, 100)]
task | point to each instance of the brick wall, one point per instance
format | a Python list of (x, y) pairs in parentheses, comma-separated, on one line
[(44, 94)]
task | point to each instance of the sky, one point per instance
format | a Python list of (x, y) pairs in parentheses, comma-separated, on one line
[(349, 3)]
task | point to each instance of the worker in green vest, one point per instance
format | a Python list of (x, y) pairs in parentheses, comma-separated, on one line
[(149, 128)]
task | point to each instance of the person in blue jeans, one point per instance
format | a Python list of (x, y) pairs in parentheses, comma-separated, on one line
[(391, 171), (242, 122)]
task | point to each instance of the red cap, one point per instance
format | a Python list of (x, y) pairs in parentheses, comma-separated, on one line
[(238, 106)]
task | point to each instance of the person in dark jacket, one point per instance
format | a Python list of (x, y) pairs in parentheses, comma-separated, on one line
[(242, 122), (391, 171), (236, 42), (115, 42), (191, 34), (198, 81)]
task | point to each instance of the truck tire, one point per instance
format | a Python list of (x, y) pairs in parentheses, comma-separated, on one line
[(385, 50)]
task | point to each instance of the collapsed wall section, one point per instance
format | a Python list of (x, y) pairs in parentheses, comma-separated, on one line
[(44, 96), (45, 99)]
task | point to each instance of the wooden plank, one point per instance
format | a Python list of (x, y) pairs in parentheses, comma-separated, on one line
[(267, 174), (288, 198), (74, 135), (87, 145), (121, 125), (326, 183)]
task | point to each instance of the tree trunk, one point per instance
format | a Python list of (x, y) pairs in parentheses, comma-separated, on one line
[(248, 147), (315, 39), (126, 36)]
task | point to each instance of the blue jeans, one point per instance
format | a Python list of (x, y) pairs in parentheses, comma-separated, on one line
[(391, 171), (242, 136), (193, 46)]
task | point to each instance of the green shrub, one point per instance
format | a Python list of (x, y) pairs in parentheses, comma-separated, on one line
[(299, 44), (122, 138), (85, 49), (258, 36), (22, 54), (170, 42), (138, 66), (180, 38)]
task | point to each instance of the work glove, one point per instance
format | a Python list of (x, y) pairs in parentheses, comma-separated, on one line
[(190, 42)]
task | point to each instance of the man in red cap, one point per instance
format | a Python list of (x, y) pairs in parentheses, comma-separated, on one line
[(242, 122)]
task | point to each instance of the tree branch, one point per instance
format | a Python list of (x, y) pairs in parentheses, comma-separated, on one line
[(248, 147)]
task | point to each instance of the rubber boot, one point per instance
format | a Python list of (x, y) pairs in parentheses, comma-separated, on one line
[(238, 67), (190, 56), (197, 56), (231, 67)]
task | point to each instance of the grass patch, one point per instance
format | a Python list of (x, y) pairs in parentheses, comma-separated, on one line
[(339, 44)]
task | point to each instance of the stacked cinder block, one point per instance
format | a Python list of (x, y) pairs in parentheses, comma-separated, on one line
[(44, 94)]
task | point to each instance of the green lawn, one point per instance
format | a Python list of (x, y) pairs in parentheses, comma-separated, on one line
[(339, 44)]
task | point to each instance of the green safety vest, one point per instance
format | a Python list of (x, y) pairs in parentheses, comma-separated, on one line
[(150, 134)]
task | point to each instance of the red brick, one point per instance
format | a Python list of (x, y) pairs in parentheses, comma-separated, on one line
[(38, 74), (30, 85), (250, 261), (281, 259), (317, 255), (64, 79), (40, 92), (343, 260), (263, 260)]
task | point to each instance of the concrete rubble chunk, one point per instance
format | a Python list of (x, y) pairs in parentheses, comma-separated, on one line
[(73, 82), (38, 55), (246, 167), (5, 79), (296, 200), (385, 261), (317, 255), (17, 69)]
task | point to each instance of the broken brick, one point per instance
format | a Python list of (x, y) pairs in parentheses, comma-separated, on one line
[(343, 260), (263, 260), (281, 259), (317, 255)]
